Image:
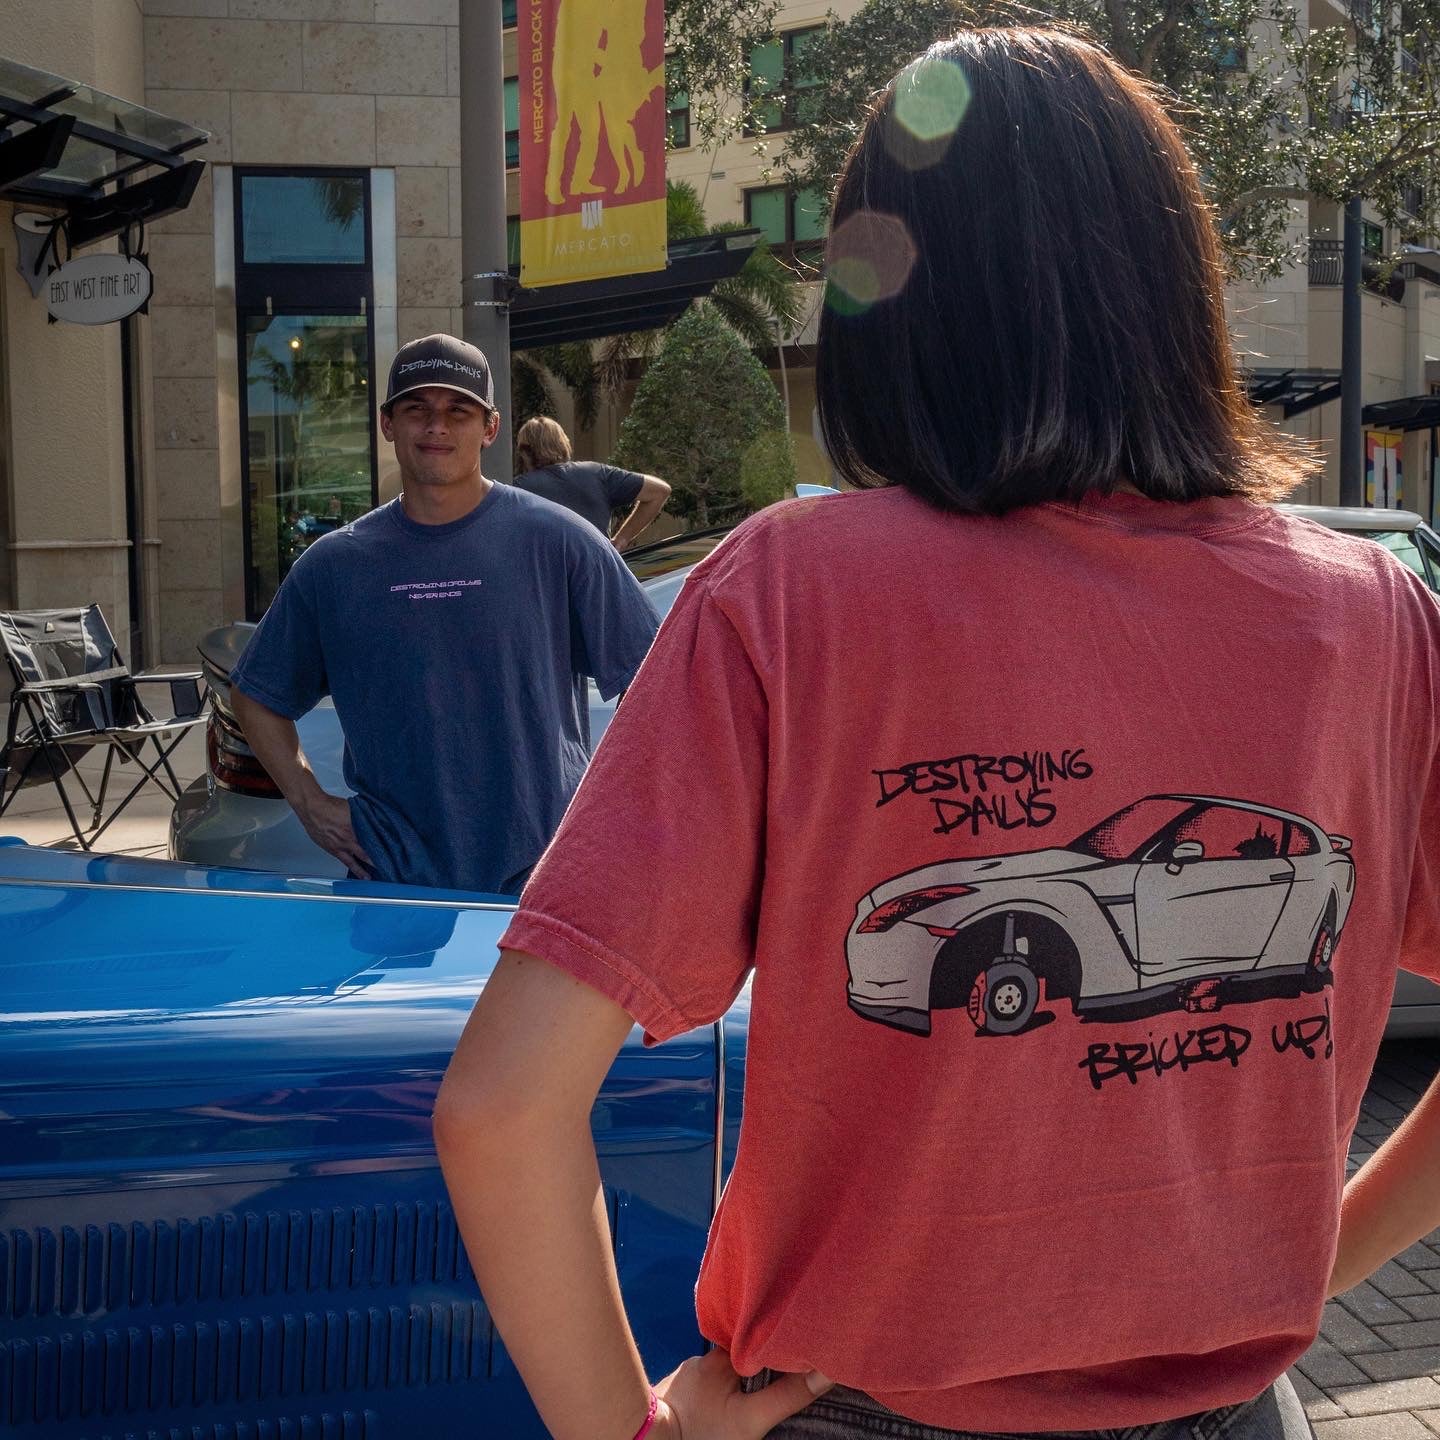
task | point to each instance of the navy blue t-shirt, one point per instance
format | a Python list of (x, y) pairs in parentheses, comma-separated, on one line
[(456, 656), (587, 487)]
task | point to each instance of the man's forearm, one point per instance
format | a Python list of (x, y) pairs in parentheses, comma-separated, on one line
[(641, 517), (532, 1213), (276, 743), (1394, 1199)]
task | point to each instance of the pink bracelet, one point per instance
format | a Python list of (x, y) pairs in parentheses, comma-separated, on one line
[(650, 1415)]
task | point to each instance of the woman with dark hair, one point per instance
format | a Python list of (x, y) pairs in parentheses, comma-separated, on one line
[(1049, 787)]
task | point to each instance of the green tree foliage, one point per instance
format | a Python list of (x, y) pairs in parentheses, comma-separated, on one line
[(707, 54), (707, 417), (1272, 111)]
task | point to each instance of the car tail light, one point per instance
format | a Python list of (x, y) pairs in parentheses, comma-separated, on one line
[(232, 763), (902, 907)]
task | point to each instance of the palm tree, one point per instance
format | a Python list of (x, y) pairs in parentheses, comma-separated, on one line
[(531, 374), (766, 295)]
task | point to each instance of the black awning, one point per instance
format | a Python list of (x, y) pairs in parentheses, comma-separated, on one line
[(67, 146), (1295, 391), (592, 309), (1415, 412)]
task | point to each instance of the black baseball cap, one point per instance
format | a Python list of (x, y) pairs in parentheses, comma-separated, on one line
[(440, 360)]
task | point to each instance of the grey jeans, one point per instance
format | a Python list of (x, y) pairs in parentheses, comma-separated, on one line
[(841, 1414)]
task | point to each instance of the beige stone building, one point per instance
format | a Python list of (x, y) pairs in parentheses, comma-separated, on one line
[(171, 466)]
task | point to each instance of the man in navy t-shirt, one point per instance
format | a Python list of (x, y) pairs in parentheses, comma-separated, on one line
[(454, 628), (596, 491)]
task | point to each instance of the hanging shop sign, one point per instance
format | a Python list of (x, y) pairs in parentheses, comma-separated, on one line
[(592, 139), (97, 289)]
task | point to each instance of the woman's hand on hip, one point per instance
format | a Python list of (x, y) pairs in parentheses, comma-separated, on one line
[(703, 1400)]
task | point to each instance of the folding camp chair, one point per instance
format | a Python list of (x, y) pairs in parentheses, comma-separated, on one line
[(73, 691)]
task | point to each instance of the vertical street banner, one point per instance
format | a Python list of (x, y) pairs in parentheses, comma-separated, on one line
[(1382, 469), (592, 139)]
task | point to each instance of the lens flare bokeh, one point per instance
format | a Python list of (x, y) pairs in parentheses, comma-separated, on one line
[(932, 97), (869, 257)]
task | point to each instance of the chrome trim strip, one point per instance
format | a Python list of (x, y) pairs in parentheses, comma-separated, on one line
[(227, 386), (102, 885)]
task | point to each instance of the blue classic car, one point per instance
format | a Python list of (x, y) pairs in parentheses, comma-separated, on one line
[(221, 1214)]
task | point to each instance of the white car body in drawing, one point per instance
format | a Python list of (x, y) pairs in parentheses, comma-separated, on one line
[(1176, 902)]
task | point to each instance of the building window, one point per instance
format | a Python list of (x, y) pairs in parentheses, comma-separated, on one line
[(1366, 16), (507, 13), (791, 220), (1372, 237), (1363, 99), (778, 68), (677, 118), (302, 219), (305, 300), (512, 240), (1227, 47), (512, 123)]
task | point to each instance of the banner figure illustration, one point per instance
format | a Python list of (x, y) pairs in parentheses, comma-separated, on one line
[(592, 139)]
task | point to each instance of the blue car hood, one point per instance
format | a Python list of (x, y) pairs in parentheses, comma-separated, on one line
[(235, 1012), (220, 1207)]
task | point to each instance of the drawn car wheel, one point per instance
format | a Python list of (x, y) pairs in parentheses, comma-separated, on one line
[(1004, 997), (1317, 968)]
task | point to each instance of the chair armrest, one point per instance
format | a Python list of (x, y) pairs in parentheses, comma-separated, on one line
[(91, 697), (165, 677), (187, 697), (60, 683)]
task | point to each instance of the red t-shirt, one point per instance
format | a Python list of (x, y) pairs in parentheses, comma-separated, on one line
[(1074, 852)]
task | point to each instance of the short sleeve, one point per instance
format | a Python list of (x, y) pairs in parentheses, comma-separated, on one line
[(612, 621), (283, 666), (650, 890), (621, 487)]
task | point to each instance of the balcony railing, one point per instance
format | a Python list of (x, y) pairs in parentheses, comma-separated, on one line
[(1327, 262), (1426, 269), (1327, 267)]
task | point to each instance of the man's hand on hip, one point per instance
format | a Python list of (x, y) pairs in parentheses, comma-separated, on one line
[(326, 819)]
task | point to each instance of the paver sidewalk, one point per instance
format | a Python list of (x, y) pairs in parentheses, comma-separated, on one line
[(1374, 1373), (36, 815)]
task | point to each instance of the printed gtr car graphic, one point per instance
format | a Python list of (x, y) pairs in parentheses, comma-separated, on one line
[(1175, 902)]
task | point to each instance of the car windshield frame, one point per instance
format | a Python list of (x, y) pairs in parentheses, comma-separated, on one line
[(1428, 544), (664, 557), (1403, 544)]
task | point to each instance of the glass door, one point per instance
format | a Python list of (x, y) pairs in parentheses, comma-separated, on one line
[(308, 434), (305, 297)]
